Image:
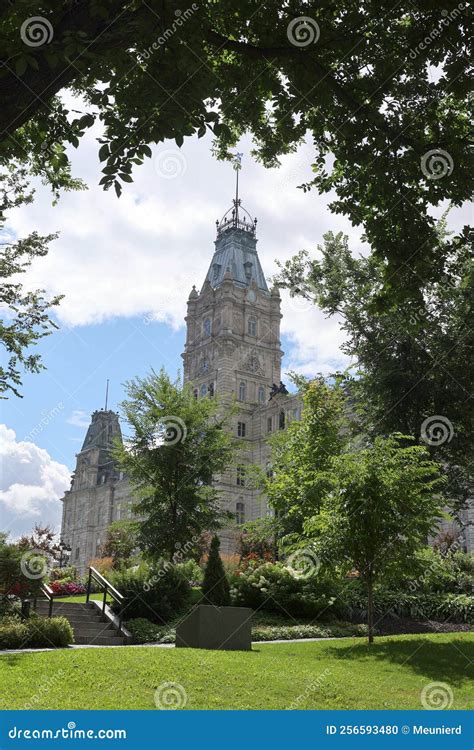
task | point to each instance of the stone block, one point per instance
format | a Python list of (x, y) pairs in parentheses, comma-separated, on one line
[(223, 628)]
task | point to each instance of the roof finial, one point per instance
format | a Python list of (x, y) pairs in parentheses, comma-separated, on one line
[(237, 164), (106, 395)]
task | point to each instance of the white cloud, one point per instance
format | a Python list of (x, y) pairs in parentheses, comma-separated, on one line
[(31, 484), (79, 418), (141, 254)]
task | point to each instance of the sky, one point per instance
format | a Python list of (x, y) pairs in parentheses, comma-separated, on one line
[(126, 267)]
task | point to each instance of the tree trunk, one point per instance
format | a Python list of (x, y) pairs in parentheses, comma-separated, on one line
[(370, 609)]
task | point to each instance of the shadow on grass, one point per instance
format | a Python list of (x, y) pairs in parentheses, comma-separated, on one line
[(450, 661)]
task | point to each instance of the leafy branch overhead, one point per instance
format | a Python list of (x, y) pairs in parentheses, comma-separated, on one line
[(382, 88), (26, 314)]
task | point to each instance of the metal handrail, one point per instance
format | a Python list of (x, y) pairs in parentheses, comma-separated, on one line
[(108, 589), (49, 594)]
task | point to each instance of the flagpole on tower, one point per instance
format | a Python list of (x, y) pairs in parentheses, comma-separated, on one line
[(237, 164), (106, 394)]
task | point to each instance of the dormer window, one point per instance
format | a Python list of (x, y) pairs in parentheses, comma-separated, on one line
[(215, 271), (207, 327), (248, 269), (242, 391), (261, 394)]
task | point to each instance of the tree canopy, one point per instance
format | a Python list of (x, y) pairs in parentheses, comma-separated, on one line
[(382, 506), (301, 456), (26, 314), (413, 360), (176, 447), (380, 88)]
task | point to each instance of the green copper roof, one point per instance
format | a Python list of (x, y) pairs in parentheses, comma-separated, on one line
[(236, 251)]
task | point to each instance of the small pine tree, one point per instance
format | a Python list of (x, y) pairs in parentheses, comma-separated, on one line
[(215, 586)]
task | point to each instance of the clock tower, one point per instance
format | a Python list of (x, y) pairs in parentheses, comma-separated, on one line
[(233, 351)]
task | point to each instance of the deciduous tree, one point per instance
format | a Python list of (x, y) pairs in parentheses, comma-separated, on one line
[(176, 447), (383, 504)]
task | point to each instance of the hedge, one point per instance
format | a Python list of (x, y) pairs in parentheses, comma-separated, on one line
[(36, 632)]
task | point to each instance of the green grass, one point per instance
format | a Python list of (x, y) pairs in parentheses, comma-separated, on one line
[(332, 674), (79, 598)]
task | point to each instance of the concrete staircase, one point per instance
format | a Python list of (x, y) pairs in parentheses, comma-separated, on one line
[(86, 621)]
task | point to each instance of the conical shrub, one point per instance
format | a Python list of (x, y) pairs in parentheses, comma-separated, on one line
[(215, 586)]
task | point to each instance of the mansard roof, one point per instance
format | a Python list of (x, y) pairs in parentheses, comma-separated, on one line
[(102, 431), (236, 252)]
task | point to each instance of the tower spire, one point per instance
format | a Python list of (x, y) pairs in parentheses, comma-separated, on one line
[(237, 164)]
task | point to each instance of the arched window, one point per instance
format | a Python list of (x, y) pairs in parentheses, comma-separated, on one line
[(207, 327), (261, 394), (241, 476), (269, 424), (252, 327), (196, 393), (239, 513), (242, 391), (281, 420), (203, 390), (211, 389)]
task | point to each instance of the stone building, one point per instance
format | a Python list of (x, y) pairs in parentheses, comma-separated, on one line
[(232, 349)]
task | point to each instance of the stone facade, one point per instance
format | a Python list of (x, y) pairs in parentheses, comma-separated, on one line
[(99, 493), (232, 350)]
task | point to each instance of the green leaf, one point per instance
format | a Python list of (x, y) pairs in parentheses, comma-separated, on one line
[(104, 152)]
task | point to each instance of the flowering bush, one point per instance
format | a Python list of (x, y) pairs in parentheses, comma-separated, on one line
[(59, 574), (67, 588), (191, 571), (254, 560), (273, 588)]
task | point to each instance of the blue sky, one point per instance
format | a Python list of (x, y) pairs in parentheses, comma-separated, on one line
[(55, 410)]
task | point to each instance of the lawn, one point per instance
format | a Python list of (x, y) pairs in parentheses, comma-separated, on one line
[(80, 598), (345, 674)]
